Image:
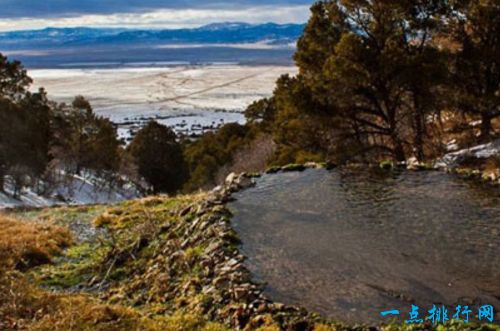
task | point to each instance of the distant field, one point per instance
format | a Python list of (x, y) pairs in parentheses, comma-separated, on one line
[(124, 55), (189, 98)]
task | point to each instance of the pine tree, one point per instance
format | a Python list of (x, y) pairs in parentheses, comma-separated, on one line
[(38, 134), (159, 157), (14, 80), (358, 62), (104, 147), (476, 80), (83, 140), (211, 152), (24, 125)]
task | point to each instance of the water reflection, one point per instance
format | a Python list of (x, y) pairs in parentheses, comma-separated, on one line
[(350, 244)]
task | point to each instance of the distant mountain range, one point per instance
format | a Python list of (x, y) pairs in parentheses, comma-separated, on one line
[(219, 33)]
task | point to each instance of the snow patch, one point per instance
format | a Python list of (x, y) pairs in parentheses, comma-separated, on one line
[(74, 190), (480, 151)]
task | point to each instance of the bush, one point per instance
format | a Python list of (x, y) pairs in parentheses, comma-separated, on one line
[(214, 150)]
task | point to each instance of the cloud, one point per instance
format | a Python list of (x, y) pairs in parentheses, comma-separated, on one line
[(73, 8), (166, 18)]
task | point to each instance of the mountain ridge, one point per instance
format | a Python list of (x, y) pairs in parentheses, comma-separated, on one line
[(224, 32)]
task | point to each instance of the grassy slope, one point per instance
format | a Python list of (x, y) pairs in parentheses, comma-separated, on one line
[(138, 265)]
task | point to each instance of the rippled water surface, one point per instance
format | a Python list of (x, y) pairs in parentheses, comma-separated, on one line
[(352, 244)]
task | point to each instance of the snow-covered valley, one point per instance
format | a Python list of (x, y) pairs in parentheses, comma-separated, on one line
[(190, 99)]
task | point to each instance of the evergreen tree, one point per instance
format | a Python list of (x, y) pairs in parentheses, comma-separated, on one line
[(30, 124), (213, 150), (476, 80), (359, 65), (159, 157), (37, 110), (24, 138), (262, 111), (9, 126), (83, 140), (303, 125), (81, 119), (14, 80), (104, 147), (24, 124)]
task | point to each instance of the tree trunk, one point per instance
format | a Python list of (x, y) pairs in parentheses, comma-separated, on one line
[(485, 126), (17, 191), (399, 152), (2, 180), (419, 136)]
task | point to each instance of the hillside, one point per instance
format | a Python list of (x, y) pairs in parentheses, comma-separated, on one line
[(73, 190), (152, 264)]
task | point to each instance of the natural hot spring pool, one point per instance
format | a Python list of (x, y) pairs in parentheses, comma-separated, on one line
[(351, 244)]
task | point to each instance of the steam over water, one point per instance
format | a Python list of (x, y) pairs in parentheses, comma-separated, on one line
[(352, 244)]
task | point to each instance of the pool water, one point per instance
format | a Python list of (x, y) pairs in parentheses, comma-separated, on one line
[(350, 244)]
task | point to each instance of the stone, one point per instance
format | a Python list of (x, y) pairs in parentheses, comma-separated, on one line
[(232, 263), (185, 243), (185, 211), (412, 163), (243, 182), (221, 282), (240, 293), (277, 306), (261, 307), (230, 178), (176, 255), (273, 170), (217, 189), (165, 227)]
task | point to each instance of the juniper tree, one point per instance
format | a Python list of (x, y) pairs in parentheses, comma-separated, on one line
[(83, 140), (159, 157), (371, 68), (24, 123), (476, 71)]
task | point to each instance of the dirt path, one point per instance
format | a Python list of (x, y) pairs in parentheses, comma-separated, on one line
[(208, 89)]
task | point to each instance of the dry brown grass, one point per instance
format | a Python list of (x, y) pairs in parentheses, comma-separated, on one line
[(25, 307), (26, 244)]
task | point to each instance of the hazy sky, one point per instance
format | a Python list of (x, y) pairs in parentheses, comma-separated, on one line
[(34, 14)]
